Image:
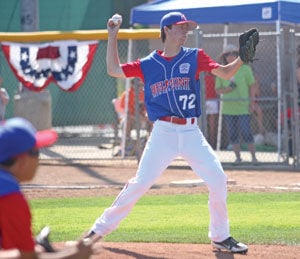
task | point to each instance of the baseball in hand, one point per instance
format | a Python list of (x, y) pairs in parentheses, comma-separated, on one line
[(117, 19)]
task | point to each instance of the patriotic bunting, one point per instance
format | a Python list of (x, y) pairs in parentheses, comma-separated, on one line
[(65, 63)]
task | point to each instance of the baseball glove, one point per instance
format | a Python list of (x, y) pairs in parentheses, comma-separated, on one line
[(248, 41)]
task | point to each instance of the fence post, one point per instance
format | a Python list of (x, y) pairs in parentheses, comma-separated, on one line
[(295, 134)]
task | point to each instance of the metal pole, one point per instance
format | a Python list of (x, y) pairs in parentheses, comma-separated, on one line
[(203, 119), (220, 117), (279, 87), (29, 19), (127, 85), (294, 104), (36, 107)]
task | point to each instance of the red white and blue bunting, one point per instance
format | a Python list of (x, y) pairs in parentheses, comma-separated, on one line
[(65, 63)]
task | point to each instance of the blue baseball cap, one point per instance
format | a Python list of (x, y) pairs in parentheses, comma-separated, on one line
[(17, 136), (176, 18)]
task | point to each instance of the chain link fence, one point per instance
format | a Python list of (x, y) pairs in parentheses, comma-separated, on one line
[(90, 129)]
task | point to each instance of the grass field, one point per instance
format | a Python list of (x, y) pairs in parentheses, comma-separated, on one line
[(255, 218)]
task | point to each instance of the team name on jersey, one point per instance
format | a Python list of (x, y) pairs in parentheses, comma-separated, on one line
[(172, 84)]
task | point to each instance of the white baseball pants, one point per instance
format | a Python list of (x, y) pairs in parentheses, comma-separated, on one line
[(167, 142)]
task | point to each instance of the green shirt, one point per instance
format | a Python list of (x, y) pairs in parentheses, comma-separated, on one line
[(243, 79)]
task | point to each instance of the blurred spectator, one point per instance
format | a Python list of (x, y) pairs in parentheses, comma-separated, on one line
[(211, 108), (120, 107), (131, 115), (238, 96), (289, 112), (4, 99)]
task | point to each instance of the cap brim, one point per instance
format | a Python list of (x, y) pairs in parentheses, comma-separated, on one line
[(192, 25), (45, 138)]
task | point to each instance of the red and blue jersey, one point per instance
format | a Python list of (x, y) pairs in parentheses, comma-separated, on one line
[(15, 216), (172, 86)]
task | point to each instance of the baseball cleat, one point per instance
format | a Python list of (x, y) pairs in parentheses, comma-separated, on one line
[(43, 239), (230, 245), (91, 235)]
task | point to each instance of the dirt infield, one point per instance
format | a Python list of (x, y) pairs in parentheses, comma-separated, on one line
[(188, 251), (87, 181)]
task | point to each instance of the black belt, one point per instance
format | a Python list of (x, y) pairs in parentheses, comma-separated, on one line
[(177, 120)]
